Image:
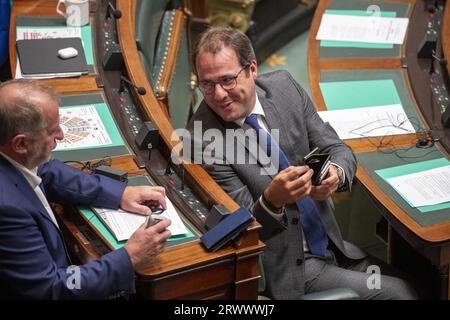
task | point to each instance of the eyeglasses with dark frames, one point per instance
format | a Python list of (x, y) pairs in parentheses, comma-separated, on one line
[(227, 82)]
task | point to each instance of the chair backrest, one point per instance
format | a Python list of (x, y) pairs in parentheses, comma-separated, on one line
[(162, 41), (149, 15)]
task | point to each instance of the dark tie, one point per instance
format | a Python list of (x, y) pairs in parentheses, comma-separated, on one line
[(312, 225)]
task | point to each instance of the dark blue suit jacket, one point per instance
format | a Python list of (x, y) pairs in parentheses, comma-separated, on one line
[(33, 257)]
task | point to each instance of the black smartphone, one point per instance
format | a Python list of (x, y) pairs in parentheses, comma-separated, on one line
[(320, 163), (154, 219)]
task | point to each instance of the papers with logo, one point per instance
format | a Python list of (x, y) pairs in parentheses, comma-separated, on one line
[(377, 121), (373, 29), (123, 224), (424, 188), (83, 128)]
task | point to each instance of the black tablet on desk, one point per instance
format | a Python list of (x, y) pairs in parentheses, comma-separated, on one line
[(40, 56)]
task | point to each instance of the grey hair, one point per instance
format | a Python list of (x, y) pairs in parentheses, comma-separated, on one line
[(213, 40), (18, 113)]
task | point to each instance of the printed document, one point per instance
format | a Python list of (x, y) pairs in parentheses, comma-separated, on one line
[(123, 224), (373, 29), (83, 128), (365, 122), (424, 188)]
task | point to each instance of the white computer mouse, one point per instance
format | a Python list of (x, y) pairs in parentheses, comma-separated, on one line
[(67, 53)]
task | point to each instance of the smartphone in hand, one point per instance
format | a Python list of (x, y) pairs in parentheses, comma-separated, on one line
[(154, 219), (319, 162)]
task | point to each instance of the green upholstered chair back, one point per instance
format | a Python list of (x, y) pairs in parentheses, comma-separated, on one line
[(155, 38), (147, 21)]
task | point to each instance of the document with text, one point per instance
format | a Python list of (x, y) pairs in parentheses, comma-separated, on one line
[(123, 224), (365, 122), (373, 29), (424, 188)]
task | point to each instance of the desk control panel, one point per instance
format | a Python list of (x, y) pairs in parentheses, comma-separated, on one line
[(427, 68), (129, 110), (174, 182), (439, 91)]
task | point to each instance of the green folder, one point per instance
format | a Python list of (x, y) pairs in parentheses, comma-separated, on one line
[(352, 44), (118, 146), (402, 170), (108, 122), (95, 221), (357, 94)]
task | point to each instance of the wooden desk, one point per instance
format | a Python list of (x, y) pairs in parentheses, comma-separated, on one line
[(431, 242), (238, 265), (46, 8), (185, 271)]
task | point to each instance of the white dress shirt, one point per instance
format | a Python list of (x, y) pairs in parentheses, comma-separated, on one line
[(34, 180)]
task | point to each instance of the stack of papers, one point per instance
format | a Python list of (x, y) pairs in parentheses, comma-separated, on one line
[(424, 185), (425, 188), (366, 122), (123, 224), (373, 29)]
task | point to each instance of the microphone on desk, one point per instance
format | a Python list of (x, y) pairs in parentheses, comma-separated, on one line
[(116, 13), (140, 90), (442, 61)]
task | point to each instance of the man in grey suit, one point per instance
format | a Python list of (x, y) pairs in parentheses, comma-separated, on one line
[(233, 93)]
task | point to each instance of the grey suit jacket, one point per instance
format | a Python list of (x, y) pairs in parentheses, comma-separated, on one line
[(288, 108)]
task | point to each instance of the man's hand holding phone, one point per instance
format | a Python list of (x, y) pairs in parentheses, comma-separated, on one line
[(319, 162), (328, 186), (289, 185)]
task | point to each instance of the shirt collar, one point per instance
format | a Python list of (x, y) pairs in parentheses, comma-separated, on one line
[(257, 109), (31, 175)]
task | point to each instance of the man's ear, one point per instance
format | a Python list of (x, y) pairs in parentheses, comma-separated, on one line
[(19, 144), (254, 69)]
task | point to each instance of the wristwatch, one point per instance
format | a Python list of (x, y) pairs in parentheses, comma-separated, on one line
[(340, 173)]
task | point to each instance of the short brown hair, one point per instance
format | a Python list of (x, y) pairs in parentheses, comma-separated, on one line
[(214, 39)]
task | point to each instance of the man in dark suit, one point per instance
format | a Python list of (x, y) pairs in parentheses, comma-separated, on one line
[(304, 250), (33, 258)]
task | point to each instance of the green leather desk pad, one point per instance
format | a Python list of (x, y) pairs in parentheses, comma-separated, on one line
[(397, 76), (135, 181), (60, 22), (400, 9), (372, 161), (118, 148)]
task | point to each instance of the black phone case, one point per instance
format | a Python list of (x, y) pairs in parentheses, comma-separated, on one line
[(318, 162)]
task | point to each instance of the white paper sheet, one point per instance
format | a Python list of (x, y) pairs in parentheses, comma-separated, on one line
[(377, 121), (424, 188), (371, 29), (123, 224)]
